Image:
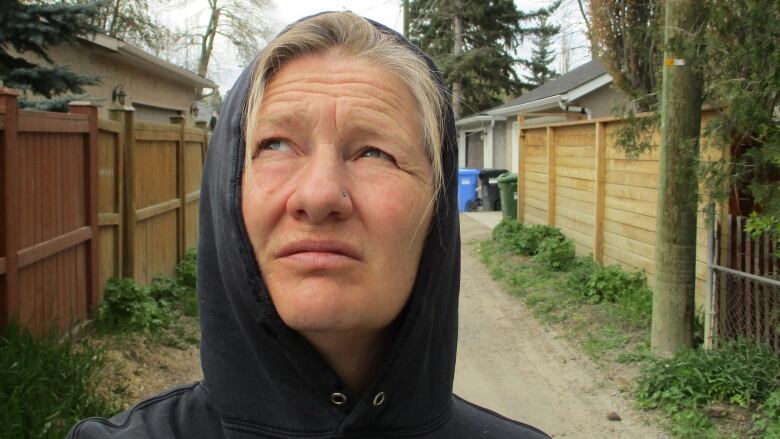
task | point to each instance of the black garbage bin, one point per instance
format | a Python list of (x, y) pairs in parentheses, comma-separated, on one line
[(491, 198)]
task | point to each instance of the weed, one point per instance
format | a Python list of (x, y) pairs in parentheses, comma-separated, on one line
[(579, 275), (45, 385), (627, 290), (768, 421), (739, 372), (187, 270), (514, 237), (555, 254), (128, 306)]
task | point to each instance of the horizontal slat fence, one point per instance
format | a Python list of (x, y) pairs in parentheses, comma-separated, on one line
[(85, 199), (574, 176)]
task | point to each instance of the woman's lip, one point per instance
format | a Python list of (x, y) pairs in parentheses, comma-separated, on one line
[(318, 249), (311, 260)]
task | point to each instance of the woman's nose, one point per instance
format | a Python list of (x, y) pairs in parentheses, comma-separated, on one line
[(321, 191)]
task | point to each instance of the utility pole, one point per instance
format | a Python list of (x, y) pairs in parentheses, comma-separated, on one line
[(675, 251), (457, 46), (406, 18)]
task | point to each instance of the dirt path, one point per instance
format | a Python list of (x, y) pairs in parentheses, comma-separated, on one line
[(511, 364)]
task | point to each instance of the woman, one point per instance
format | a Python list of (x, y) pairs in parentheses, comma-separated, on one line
[(329, 254)]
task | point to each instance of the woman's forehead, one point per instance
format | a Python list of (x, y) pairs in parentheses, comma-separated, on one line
[(352, 91)]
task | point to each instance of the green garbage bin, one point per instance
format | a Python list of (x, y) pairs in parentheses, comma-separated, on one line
[(507, 186)]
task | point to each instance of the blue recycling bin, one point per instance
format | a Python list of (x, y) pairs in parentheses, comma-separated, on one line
[(467, 189)]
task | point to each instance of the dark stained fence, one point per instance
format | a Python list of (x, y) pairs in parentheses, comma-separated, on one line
[(83, 200), (49, 221), (111, 143)]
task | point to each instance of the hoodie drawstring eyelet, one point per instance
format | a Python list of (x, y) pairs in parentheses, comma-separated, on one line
[(338, 398), (379, 399)]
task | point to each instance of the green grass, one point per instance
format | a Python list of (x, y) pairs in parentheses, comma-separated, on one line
[(604, 329), (739, 373), (46, 385), (608, 310)]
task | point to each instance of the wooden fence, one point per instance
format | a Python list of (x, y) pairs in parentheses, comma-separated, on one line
[(149, 194), (573, 176), (83, 200)]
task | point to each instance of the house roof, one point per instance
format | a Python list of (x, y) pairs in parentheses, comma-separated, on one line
[(577, 82), (148, 61), (560, 85)]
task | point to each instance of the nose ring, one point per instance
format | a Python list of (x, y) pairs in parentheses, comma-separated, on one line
[(344, 194)]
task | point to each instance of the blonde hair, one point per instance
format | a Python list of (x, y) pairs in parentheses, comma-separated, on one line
[(352, 35)]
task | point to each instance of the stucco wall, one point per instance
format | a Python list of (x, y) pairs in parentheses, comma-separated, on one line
[(141, 86)]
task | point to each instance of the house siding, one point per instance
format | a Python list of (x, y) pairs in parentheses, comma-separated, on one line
[(600, 102), (499, 145), (162, 93)]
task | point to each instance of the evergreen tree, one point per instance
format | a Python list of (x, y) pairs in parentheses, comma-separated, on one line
[(542, 55), (32, 27), (484, 68)]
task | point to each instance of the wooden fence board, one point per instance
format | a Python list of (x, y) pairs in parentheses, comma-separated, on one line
[(63, 228), (633, 206), (631, 179), (633, 166), (637, 220), (631, 192), (630, 231), (575, 183), (580, 197)]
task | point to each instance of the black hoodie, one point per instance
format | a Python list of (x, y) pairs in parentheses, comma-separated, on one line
[(264, 380)]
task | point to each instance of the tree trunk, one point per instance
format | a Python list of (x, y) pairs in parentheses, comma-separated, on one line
[(207, 43), (457, 46), (406, 18), (675, 254)]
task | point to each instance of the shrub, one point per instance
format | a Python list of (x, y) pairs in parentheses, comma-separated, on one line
[(46, 385), (523, 240), (610, 284), (579, 276), (129, 306), (740, 372), (555, 254)]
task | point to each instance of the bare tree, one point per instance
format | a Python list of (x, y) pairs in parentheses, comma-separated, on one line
[(131, 21), (242, 24)]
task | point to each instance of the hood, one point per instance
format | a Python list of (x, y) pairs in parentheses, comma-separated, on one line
[(264, 377)]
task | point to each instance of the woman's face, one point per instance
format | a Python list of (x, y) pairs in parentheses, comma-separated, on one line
[(337, 203)]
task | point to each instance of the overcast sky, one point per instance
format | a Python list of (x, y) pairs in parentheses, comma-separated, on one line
[(225, 66)]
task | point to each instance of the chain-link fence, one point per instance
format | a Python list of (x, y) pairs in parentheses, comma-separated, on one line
[(747, 306), (745, 283)]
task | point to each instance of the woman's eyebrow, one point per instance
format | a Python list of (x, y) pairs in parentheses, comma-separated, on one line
[(293, 119)]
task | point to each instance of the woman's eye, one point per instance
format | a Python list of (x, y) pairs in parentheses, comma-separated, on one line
[(375, 153), (274, 145)]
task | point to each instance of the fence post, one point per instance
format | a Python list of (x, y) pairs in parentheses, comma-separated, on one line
[(203, 125), (550, 176), (125, 115), (91, 198), (598, 238), (520, 168), (8, 205), (181, 248), (709, 302)]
